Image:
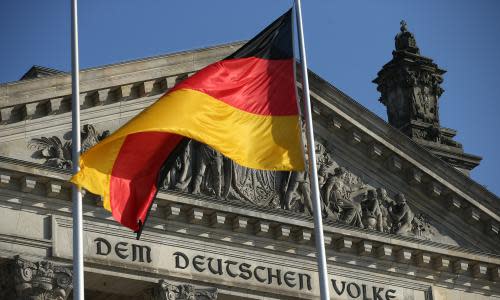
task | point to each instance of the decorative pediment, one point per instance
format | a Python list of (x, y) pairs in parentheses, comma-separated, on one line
[(360, 155), (346, 197)]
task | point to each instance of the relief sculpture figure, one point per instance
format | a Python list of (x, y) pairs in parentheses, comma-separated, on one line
[(180, 175), (298, 188), (298, 183), (372, 214), (401, 215), (350, 211), (385, 202), (208, 163)]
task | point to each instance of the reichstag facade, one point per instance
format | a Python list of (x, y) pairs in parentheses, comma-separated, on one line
[(403, 219)]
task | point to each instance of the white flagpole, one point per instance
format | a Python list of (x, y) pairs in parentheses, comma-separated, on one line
[(78, 286), (313, 170)]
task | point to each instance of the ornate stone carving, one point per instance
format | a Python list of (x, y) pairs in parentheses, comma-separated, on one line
[(57, 153), (405, 40), (345, 197), (201, 170), (166, 291), (372, 212), (410, 88), (401, 216), (35, 281)]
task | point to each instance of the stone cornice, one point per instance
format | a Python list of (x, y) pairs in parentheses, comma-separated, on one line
[(28, 99), (269, 229)]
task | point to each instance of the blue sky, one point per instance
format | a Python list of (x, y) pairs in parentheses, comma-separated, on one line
[(347, 44)]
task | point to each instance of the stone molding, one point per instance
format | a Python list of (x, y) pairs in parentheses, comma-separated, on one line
[(276, 227), (23, 279), (31, 99)]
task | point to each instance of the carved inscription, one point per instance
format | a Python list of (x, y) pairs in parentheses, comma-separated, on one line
[(206, 266), (355, 291), (123, 250), (246, 271), (276, 276)]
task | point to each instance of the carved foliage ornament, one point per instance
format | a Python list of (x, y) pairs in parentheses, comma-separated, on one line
[(36, 281), (57, 153), (166, 291)]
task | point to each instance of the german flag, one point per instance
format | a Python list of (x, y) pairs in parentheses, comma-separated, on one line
[(243, 106)]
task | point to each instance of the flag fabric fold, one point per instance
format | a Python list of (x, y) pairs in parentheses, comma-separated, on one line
[(244, 106)]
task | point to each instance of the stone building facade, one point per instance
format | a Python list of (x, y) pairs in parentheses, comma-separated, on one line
[(402, 218)]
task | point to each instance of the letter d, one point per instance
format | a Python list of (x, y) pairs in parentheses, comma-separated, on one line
[(181, 260), (100, 244)]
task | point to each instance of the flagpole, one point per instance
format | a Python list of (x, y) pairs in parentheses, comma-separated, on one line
[(78, 287), (313, 172)]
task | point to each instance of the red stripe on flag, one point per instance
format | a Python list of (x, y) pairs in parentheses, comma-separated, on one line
[(135, 173), (255, 85)]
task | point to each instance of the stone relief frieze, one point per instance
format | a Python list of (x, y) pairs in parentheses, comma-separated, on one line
[(167, 291), (57, 153), (201, 170), (345, 197)]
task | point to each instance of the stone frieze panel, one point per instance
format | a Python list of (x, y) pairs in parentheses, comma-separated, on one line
[(201, 170)]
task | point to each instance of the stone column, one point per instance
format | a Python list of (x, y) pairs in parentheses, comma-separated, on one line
[(22, 279), (166, 291)]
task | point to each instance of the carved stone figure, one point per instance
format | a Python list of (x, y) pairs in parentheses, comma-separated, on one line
[(298, 186), (57, 153), (350, 211), (90, 136), (345, 198), (180, 175), (208, 163), (372, 214), (36, 281), (166, 291), (401, 216), (259, 187), (421, 227), (384, 203)]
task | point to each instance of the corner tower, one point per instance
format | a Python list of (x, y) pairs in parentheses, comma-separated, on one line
[(410, 87)]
